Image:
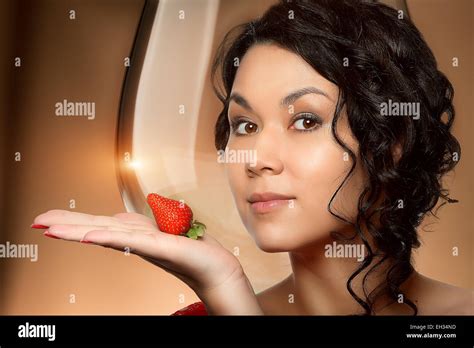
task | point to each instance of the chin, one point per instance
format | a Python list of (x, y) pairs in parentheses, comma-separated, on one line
[(274, 241)]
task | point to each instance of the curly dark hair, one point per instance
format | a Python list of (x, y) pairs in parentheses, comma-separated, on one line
[(388, 60)]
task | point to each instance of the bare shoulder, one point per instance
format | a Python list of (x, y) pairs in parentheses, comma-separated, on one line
[(444, 299), (461, 301)]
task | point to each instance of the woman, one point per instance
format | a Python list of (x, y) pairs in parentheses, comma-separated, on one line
[(350, 120)]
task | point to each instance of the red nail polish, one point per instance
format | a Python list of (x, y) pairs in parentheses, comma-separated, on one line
[(86, 241), (50, 235), (39, 226)]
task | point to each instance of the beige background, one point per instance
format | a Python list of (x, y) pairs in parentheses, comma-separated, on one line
[(66, 159)]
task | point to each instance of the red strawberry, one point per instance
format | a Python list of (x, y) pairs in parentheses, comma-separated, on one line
[(174, 217)]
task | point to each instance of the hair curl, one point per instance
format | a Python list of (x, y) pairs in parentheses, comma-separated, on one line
[(388, 59)]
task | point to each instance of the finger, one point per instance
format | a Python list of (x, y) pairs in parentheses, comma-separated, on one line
[(159, 246), (65, 217), (77, 232)]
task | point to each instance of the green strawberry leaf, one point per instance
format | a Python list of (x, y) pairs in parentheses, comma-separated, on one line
[(197, 230), (192, 233), (200, 231), (199, 223)]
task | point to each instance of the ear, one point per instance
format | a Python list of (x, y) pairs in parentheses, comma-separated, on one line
[(397, 152)]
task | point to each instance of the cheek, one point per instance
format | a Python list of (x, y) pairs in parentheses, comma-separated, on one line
[(319, 169), (232, 172), (236, 177)]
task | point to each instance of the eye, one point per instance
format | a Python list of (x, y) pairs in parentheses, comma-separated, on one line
[(241, 127), (306, 122)]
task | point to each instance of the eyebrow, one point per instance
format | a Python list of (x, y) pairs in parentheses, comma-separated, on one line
[(288, 100)]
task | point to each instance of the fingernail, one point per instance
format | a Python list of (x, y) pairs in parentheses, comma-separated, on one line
[(50, 235), (38, 226), (86, 241)]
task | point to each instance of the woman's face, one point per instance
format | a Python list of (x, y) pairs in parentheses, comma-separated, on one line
[(281, 111)]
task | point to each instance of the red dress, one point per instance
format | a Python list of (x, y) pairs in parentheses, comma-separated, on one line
[(197, 308)]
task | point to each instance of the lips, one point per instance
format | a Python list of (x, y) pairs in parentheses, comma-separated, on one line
[(268, 201), (267, 196)]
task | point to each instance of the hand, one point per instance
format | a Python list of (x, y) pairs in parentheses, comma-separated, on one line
[(203, 264)]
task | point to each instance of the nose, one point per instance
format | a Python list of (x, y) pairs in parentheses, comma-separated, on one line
[(268, 153)]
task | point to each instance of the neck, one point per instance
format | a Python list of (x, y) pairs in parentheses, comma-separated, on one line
[(320, 275)]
